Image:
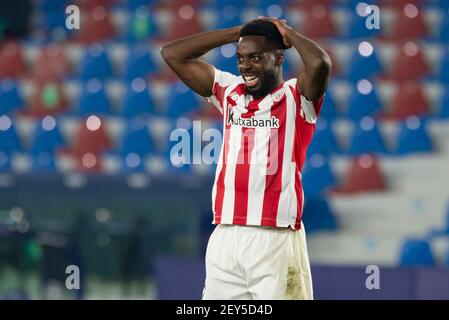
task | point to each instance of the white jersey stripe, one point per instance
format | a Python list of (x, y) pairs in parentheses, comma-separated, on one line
[(287, 201)]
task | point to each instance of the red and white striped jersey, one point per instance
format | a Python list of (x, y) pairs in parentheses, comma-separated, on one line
[(258, 179)]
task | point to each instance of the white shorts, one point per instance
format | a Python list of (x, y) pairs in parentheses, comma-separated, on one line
[(252, 262)]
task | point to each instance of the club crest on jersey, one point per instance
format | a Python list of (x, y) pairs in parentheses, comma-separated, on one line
[(251, 122)]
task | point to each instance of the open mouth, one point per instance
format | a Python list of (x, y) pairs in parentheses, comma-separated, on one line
[(251, 81)]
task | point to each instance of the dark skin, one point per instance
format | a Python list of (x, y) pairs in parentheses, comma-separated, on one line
[(256, 55)]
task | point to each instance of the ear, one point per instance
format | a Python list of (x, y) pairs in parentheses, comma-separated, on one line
[(279, 58)]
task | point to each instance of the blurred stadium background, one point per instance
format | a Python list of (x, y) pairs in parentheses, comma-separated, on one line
[(85, 172)]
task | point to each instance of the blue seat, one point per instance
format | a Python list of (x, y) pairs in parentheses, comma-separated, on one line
[(134, 4), (363, 101), (136, 139), (132, 162), (10, 99), (353, 3), (9, 141), (416, 252), (366, 138), (328, 110), (356, 28), (137, 99), (140, 25), (363, 67), (323, 141), (5, 162), (96, 63), (228, 17), (226, 63), (50, 5), (443, 30), (53, 19), (413, 137), (443, 110), (46, 138), (93, 99), (442, 73), (318, 215), (317, 176), (180, 100), (139, 63), (43, 162)]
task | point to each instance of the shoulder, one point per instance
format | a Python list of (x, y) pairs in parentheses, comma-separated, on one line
[(225, 79)]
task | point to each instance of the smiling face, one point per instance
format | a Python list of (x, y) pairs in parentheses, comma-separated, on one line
[(260, 64)]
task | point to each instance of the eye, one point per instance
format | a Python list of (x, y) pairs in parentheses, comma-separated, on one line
[(239, 60), (255, 58)]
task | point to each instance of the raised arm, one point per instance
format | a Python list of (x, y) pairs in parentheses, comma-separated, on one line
[(313, 80), (182, 56)]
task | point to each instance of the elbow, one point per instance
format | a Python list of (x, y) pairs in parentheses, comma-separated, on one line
[(322, 67)]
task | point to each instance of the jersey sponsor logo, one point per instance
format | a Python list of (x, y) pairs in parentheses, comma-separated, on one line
[(251, 122)]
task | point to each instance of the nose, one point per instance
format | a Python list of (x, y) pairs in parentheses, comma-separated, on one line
[(245, 66)]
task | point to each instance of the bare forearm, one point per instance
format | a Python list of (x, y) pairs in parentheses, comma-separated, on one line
[(314, 79), (195, 46), (311, 53)]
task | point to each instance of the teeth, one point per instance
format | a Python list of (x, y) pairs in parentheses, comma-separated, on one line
[(251, 78)]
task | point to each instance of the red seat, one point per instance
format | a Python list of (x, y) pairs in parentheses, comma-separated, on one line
[(90, 141), (408, 101), (11, 60), (318, 22), (96, 26), (364, 174), (91, 4), (308, 3), (51, 64), (400, 3), (182, 24), (408, 24), (409, 63), (48, 99)]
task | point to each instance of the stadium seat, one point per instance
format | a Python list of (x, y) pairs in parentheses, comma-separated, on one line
[(48, 99), (323, 141), (12, 64), (363, 175), (363, 101), (139, 63), (318, 215), (43, 162), (443, 109), (409, 23), (92, 4), (9, 140), (443, 30), (136, 139), (182, 25), (10, 99), (356, 28), (409, 63), (409, 100), (318, 22), (366, 138), (90, 142), (416, 252), (93, 99), (180, 100), (137, 99), (46, 138), (328, 110), (97, 26), (96, 63), (317, 175), (51, 64), (140, 25), (228, 16), (226, 63), (364, 63), (134, 4), (5, 161), (442, 73), (413, 137)]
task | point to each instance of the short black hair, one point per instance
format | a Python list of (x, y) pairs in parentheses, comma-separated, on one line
[(263, 27)]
